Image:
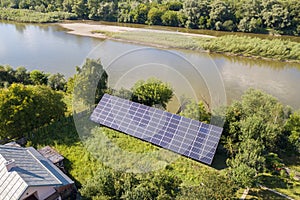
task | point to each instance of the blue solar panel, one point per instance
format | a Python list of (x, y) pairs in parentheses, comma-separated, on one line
[(179, 134)]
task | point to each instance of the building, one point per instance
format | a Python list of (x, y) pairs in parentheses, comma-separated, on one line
[(53, 156), (26, 175)]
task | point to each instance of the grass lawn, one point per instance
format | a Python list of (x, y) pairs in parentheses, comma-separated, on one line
[(275, 49), (81, 164)]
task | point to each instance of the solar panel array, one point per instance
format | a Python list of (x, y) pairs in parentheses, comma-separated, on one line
[(182, 135)]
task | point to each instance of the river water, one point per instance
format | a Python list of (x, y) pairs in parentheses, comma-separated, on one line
[(216, 78)]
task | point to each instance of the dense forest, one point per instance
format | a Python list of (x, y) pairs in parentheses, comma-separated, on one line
[(259, 138), (256, 16)]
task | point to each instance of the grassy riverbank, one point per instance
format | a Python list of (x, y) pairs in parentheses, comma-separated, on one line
[(30, 16), (275, 49)]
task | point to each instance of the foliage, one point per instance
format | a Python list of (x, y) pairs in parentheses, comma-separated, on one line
[(22, 76), (261, 16), (247, 46), (24, 15), (78, 162), (247, 162), (57, 82), (292, 127), (86, 170), (24, 108), (6, 76), (152, 92), (276, 49), (117, 185), (250, 118), (250, 134), (213, 186), (90, 82), (196, 111), (155, 16), (38, 78)]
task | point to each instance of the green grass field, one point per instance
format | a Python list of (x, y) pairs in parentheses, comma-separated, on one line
[(81, 164), (275, 49)]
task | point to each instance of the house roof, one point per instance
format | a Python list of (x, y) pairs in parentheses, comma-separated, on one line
[(30, 168), (51, 154)]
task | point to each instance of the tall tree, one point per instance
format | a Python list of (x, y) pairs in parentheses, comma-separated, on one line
[(292, 129), (213, 186), (250, 118), (221, 12), (90, 82), (24, 108), (275, 16), (38, 78), (193, 10), (196, 111), (152, 92), (57, 81), (22, 76)]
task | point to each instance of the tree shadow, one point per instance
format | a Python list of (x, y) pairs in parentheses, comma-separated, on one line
[(62, 131), (262, 194), (273, 181), (290, 159), (219, 161), (68, 167)]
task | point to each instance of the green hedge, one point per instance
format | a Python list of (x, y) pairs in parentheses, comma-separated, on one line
[(31, 16)]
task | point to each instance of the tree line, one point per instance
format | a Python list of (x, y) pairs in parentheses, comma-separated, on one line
[(8, 76), (256, 16)]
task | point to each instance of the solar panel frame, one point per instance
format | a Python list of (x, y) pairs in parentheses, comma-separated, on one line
[(188, 137)]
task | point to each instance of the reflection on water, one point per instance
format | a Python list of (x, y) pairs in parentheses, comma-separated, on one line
[(194, 74), (44, 47)]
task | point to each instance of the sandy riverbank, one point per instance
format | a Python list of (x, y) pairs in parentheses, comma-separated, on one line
[(87, 29)]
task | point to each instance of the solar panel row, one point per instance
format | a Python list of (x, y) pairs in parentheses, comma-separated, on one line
[(179, 134)]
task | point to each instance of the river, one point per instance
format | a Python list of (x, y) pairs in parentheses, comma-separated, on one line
[(201, 75)]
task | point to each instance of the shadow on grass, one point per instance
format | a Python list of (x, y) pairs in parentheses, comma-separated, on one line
[(68, 168), (273, 181), (262, 194), (62, 131), (219, 161), (290, 159)]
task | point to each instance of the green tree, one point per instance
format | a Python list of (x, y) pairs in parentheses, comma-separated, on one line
[(124, 12), (174, 5), (221, 11), (101, 185), (22, 76), (213, 186), (79, 7), (7, 75), (140, 13), (275, 16), (154, 16), (24, 108), (70, 84), (245, 165), (91, 82), (107, 184), (250, 118), (57, 82), (196, 111), (170, 18), (292, 129), (38, 78), (152, 92), (193, 10), (293, 7), (102, 10)]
